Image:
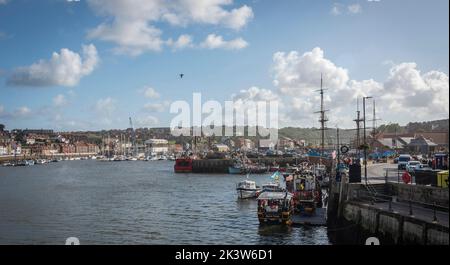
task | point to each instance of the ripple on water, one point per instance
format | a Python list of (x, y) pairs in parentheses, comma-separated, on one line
[(133, 203)]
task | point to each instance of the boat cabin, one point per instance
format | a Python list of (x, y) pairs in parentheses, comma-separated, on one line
[(247, 185), (275, 207)]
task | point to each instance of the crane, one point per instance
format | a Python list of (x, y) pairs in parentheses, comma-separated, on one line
[(133, 138)]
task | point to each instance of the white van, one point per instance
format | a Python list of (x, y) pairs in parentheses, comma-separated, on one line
[(403, 160)]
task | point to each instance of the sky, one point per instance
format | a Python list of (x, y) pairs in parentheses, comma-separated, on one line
[(92, 64)]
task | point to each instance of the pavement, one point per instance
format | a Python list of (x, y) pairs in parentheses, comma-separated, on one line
[(419, 212), (376, 173)]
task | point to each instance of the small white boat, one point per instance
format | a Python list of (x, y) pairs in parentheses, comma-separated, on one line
[(41, 161), (30, 162), (247, 189)]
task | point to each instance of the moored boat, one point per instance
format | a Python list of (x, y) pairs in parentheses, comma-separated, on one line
[(183, 165), (307, 192), (275, 207), (236, 169), (247, 189)]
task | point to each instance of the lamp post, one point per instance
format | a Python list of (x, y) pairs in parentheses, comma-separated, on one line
[(365, 143)]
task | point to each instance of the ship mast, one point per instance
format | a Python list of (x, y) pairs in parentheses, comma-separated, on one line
[(358, 121), (323, 119)]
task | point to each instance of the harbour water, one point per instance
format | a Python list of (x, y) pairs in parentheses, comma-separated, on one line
[(133, 202)]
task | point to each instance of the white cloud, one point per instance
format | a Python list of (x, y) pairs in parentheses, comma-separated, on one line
[(156, 107), (150, 92), (354, 9), (22, 112), (65, 68), (59, 100), (406, 95), (106, 106), (131, 24), (408, 90), (146, 121), (132, 38), (214, 41), (2, 2), (336, 9), (255, 94), (243, 102), (183, 41), (299, 75), (19, 113)]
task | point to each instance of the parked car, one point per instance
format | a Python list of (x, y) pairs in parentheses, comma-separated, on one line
[(396, 160), (403, 160), (411, 166), (422, 167)]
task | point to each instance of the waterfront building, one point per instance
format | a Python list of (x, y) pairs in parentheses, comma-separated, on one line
[(157, 146), (221, 148), (3, 150)]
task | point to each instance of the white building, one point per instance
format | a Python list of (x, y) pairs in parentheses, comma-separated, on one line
[(157, 146), (3, 150)]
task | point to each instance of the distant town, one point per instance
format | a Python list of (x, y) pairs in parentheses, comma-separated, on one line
[(421, 138)]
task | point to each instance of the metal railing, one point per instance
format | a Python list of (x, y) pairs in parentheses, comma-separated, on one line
[(374, 197)]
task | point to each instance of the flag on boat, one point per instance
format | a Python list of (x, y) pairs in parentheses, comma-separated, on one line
[(275, 176)]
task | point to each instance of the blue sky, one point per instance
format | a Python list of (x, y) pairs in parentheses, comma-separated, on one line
[(394, 50)]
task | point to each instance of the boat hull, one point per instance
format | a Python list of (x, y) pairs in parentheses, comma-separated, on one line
[(235, 170), (183, 165), (247, 193), (285, 218)]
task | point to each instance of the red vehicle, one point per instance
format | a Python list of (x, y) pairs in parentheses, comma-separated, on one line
[(183, 165)]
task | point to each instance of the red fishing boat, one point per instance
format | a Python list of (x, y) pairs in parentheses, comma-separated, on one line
[(183, 165)]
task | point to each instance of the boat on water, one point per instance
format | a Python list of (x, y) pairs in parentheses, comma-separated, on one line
[(307, 192), (247, 189), (272, 187), (21, 163), (41, 161), (256, 169), (8, 164), (30, 162), (236, 169), (275, 207), (183, 165)]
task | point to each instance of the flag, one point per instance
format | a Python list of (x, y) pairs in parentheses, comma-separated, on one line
[(406, 177), (275, 175)]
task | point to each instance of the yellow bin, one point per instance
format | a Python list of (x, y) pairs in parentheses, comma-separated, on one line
[(442, 179)]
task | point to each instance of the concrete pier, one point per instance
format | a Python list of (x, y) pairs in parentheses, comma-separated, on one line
[(410, 218)]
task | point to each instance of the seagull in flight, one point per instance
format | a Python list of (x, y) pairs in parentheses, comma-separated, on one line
[(181, 75)]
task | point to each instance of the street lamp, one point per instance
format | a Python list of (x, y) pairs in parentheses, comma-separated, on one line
[(365, 144)]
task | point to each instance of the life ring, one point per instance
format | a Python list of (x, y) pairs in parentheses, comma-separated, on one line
[(344, 149)]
